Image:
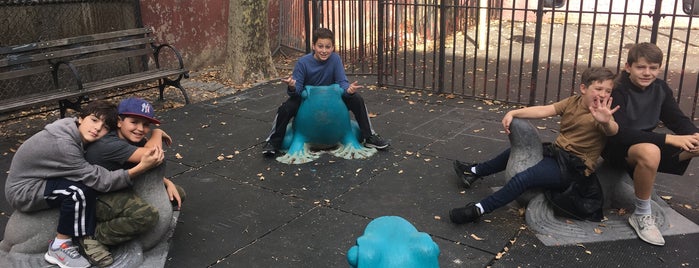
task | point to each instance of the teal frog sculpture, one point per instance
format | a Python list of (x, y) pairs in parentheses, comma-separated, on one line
[(322, 123), (391, 241)]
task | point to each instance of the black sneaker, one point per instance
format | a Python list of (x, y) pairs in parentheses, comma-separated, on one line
[(375, 141), (466, 214), (463, 170), (269, 150)]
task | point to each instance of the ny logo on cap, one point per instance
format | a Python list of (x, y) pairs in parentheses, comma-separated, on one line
[(145, 108)]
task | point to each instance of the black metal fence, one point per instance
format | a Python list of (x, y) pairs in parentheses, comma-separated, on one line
[(520, 51)]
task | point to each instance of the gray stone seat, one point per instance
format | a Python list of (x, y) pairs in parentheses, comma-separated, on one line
[(618, 193), (27, 234)]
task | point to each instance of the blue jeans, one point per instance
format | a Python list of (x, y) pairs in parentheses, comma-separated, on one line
[(545, 174)]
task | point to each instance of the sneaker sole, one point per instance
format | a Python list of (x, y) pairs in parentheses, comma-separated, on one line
[(638, 233), (50, 259), (369, 145)]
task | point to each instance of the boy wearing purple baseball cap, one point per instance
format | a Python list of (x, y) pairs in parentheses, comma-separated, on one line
[(123, 215)]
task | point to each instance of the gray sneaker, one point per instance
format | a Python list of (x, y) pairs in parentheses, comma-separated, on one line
[(646, 229), (66, 256)]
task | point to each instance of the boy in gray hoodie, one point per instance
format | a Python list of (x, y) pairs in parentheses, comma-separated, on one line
[(49, 171)]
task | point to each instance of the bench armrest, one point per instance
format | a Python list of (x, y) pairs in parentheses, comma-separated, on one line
[(73, 70), (158, 50)]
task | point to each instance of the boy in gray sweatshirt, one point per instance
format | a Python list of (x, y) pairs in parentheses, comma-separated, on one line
[(49, 171)]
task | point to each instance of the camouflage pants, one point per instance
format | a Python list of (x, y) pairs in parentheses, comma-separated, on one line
[(122, 216)]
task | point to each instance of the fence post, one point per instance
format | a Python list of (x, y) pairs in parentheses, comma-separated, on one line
[(382, 40), (535, 55), (442, 47), (307, 25), (656, 21)]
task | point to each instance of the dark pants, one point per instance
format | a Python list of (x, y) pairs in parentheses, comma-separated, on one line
[(545, 174), (288, 110), (76, 203)]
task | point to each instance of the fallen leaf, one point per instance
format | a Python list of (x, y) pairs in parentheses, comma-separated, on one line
[(598, 231), (358, 170), (588, 252), (230, 156), (372, 115), (541, 127), (688, 206), (569, 221), (220, 157), (622, 212), (475, 237), (437, 217), (400, 171), (499, 255), (178, 156), (666, 197)]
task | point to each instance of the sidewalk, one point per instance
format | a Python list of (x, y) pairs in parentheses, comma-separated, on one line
[(244, 210)]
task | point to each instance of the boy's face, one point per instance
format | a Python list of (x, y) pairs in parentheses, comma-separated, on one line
[(596, 91), (323, 47), (642, 73), (133, 128), (92, 128)]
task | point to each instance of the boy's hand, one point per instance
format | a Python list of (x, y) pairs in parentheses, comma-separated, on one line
[(506, 120), (172, 193), (289, 81), (353, 88), (688, 143), (602, 110), (153, 157), (167, 139)]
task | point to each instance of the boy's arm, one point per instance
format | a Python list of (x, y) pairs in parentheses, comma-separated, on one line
[(529, 113), (338, 69)]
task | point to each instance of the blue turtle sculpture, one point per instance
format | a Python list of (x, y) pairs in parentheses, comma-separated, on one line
[(321, 123), (391, 241)]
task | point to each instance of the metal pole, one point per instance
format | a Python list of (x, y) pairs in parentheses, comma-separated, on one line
[(535, 55), (307, 25), (656, 21), (382, 39), (442, 47)]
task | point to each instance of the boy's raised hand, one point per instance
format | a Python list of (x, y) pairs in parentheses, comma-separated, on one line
[(289, 81), (353, 87), (601, 109)]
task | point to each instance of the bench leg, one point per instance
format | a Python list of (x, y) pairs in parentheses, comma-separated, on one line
[(65, 104), (162, 83)]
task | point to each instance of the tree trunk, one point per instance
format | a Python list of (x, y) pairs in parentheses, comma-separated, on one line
[(249, 58)]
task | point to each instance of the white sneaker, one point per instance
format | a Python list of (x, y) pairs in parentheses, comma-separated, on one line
[(646, 229)]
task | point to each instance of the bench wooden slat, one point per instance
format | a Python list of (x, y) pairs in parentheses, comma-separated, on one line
[(112, 56), (67, 93), (20, 59), (73, 40), (25, 72)]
